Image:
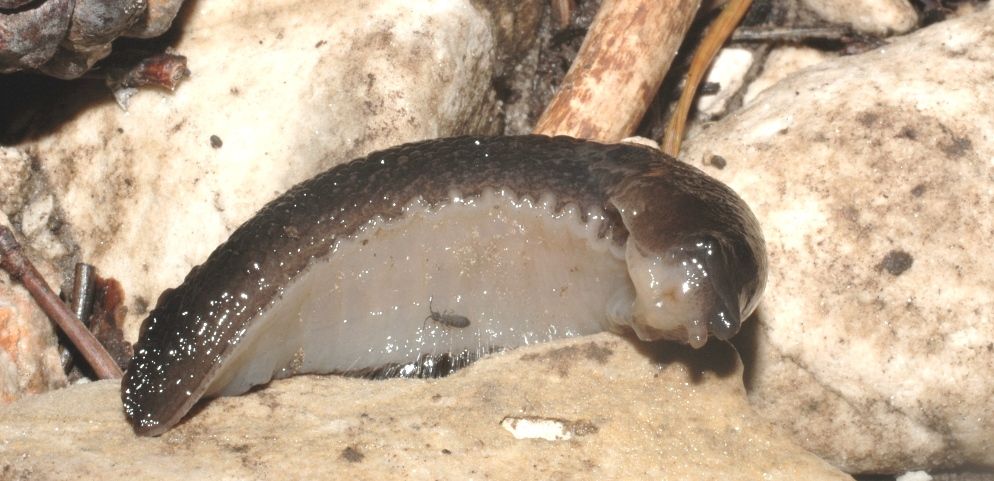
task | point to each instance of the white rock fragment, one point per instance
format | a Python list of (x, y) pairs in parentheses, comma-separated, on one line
[(35, 216), (15, 167), (728, 71), (878, 17), (781, 63), (914, 476), (643, 141), (875, 342), (536, 428)]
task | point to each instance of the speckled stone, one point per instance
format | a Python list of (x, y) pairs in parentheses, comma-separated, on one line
[(779, 64), (632, 411), (279, 92), (873, 178), (878, 17), (29, 356)]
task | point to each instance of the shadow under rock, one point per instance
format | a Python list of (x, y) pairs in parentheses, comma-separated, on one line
[(33, 105), (718, 357), (747, 344)]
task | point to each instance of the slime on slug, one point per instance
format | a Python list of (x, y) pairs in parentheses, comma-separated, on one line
[(536, 238)]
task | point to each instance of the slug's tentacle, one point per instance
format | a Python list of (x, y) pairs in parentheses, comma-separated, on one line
[(691, 284), (533, 238)]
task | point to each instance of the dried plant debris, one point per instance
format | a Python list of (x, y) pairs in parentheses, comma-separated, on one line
[(164, 70), (65, 38), (101, 303)]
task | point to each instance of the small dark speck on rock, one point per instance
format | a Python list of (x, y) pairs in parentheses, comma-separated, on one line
[(240, 448), (352, 455), (710, 88), (319, 44), (718, 161), (908, 133), (141, 305), (867, 119), (216, 142), (896, 262), (446, 451), (918, 190), (957, 147)]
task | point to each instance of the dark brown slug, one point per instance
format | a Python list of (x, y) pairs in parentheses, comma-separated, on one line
[(533, 238)]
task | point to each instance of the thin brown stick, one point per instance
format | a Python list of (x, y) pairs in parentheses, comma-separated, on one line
[(717, 34), (562, 12), (13, 260), (618, 69)]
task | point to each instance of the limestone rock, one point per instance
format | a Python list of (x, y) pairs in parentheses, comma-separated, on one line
[(728, 71), (878, 17), (780, 63), (872, 177), (29, 356), (631, 411), (280, 91)]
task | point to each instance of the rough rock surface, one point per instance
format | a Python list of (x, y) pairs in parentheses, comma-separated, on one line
[(29, 356), (779, 64), (728, 71), (280, 91), (630, 411), (878, 17), (29, 359), (872, 176)]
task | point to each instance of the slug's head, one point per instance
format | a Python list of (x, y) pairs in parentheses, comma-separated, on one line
[(697, 287), (695, 254)]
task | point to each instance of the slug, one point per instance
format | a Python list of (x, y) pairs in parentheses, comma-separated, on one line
[(533, 238)]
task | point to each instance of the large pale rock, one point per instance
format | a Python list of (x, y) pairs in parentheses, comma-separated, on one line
[(621, 410), (878, 17), (781, 62), (873, 177), (280, 91)]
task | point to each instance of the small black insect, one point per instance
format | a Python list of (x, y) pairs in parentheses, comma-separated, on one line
[(446, 318)]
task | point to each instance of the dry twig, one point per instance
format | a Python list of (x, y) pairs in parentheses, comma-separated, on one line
[(618, 69), (13, 260), (717, 34)]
